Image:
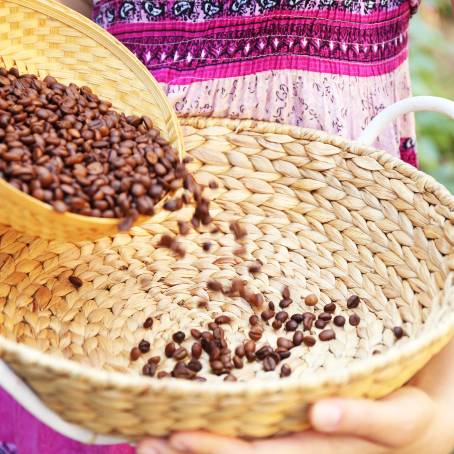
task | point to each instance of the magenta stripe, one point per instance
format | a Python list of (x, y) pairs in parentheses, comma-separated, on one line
[(183, 28), (304, 63)]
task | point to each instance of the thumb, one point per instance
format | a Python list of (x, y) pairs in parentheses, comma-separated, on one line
[(394, 421)]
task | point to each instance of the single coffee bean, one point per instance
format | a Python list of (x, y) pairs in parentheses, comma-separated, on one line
[(283, 353), (230, 377), (271, 306), (178, 337), (213, 326), (170, 349), (249, 347), (75, 281), (320, 324), (354, 320), (353, 302), (286, 371), (325, 316), (327, 335), (217, 367), (285, 343), (239, 351), (286, 292), (269, 364), (254, 268), (285, 303), (339, 320), (135, 354), (154, 360), (398, 332), (276, 324), (238, 362), (309, 341), (308, 320), (254, 320), (267, 315), (298, 338), (206, 246), (149, 369), (222, 319), (180, 353), (291, 325), (311, 300), (281, 316), (195, 365), (196, 350), (298, 318), (255, 333), (162, 375), (144, 346), (196, 334), (148, 323), (262, 352), (330, 308)]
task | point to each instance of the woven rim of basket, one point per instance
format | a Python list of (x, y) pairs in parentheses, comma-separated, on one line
[(443, 328)]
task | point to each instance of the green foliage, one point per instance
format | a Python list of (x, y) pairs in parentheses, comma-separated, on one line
[(432, 69)]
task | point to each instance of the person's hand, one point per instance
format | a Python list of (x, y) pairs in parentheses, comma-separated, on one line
[(416, 419)]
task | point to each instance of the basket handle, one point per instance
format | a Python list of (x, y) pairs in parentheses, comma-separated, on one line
[(407, 105), (17, 389)]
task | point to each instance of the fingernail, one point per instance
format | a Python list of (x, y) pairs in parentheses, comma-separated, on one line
[(326, 416)]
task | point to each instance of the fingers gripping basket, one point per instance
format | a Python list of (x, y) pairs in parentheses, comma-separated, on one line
[(324, 216), (43, 37)]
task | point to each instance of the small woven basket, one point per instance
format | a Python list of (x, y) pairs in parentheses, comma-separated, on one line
[(324, 215), (43, 37)]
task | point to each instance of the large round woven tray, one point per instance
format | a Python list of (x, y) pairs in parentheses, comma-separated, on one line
[(323, 215), (43, 37)]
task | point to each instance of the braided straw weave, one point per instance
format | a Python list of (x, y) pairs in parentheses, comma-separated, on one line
[(43, 37), (324, 217)]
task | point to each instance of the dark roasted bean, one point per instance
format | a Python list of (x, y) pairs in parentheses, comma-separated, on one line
[(178, 337), (230, 377), (239, 351), (149, 369), (195, 365), (262, 352), (148, 323), (163, 374), (135, 354), (291, 325), (196, 350), (255, 333), (254, 320), (254, 268), (277, 324), (285, 343), (283, 353), (320, 324), (354, 320), (325, 317), (286, 371), (285, 303), (267, 315), (222, 319), (309, 341), (75, 281), (398, 332), (281, 316), (330, 308), (298, 338), (170, 349), (238, 362), (327, 335), (298, 318), (180, 353), (308, 320), (196, 334), (353, 302), (269, 364), (206, 246), (339, 320), (144, 346), (154, 360)]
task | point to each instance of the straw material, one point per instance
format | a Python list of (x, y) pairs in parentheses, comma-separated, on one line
[(43, 37), (323, 215)]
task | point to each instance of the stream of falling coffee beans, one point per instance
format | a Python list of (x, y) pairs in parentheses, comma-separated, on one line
[(63, 145)]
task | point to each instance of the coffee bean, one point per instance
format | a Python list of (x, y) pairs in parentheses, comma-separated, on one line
[(196, 334), (298, 318), (222, 319), (339, 320), (254, 268), (75, 281), (353, 302), (309, 341), (249, 347), (144, 346), (180, 353), (196, 350), (217, 367), (291, 325), (285, 343), (148, 323), (184, 228), (330, 308), (281, 316), (354, 320), (283, 353), (162, 375), (285, 303), (178, 337), (215, 286), (298, 338), (398, 332), (325, 317), (286, 371), (206, 246), (267, 315), (195, 365), (239, 351), (181, 371), (154, 360), (254, 320), (262, 352), (149, 369), (311, 300), (286, 293), (230, 377), (213, 326), (238, 362), (308, 320), (170, 349), (269, 364), (327, 335), (277, 324), (271, 306), (320, 324), (135, 354)]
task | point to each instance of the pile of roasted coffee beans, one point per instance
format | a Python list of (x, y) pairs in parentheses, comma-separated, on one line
[(66, 147), (297, 329)]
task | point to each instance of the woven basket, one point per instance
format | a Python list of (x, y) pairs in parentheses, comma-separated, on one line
[(44, 37), (325, 216)]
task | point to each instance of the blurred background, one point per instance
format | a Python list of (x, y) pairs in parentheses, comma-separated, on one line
[(432, 69)]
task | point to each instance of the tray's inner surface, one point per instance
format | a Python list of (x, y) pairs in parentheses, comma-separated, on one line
[(319, 219)]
